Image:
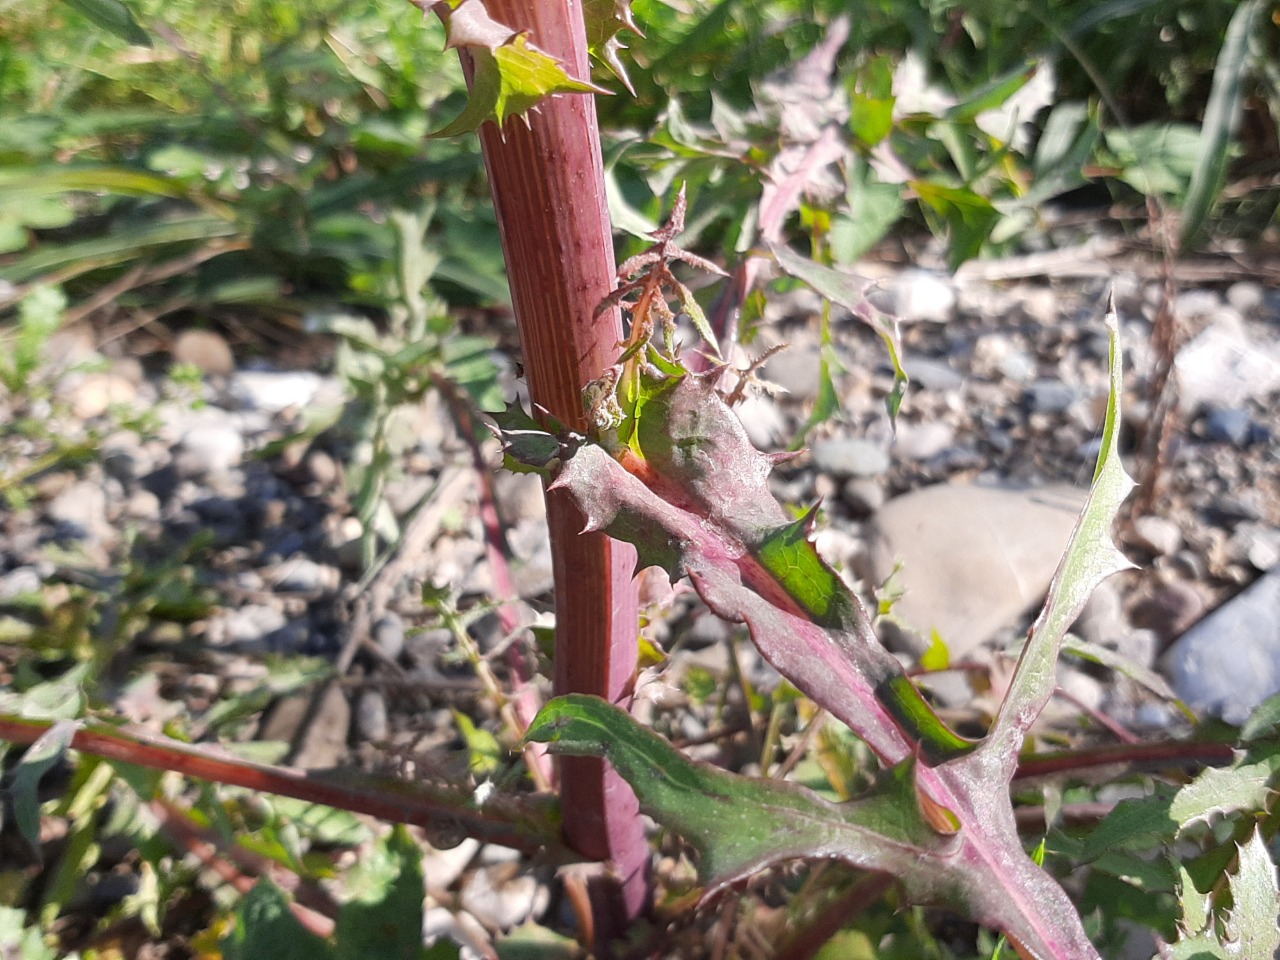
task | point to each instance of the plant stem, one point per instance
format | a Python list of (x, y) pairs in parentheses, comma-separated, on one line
[(547, 179)]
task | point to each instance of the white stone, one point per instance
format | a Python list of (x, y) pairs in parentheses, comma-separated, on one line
[(274, 390), (915, 296), (920, 441), (1222, 367), (1229, 662), (974, 559)]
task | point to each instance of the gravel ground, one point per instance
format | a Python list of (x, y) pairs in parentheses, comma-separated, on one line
[(213, 529)]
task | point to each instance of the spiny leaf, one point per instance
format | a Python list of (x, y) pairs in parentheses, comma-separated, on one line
[(695, 500), (605, 19), (1222, 791), (739, 824), (850, 292), (1090, 558), (1251, 927), (511, 75)]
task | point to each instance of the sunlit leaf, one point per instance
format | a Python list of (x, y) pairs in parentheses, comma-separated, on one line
[(511, 76)]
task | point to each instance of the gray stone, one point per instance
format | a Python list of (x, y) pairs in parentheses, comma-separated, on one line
[(921, 441), (765, 424), (864, 496), (1049, 396), (796, 371), (519, 497), (1229, 662), (245, 625), (80, 511), (389, 635), (850, 457), (1159, 536), (1245, 296), (300, 574), (935, 375), (209, 445), (1232, 425), (974, 559), (21, 581), (1221, 367), (1193, 304), (1170, 609), (1102, 620), (371, 716), (204, 349)]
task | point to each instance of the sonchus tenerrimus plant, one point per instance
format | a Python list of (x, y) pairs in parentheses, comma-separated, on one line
[(652, 455), (670, 469)]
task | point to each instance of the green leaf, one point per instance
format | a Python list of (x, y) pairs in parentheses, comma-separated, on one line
[(1251, 927), (1222, 791), (1158, 159), (1091, 556), (264, 926), (1263, 720), (738, 824), (383, 917), (605, 19), (1134, 820), (1221, 120), (35, 763), (114, 17), (871, 103), (850, 292), (511, 76), (969, 218)]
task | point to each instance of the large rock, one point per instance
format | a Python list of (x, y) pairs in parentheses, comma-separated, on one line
[(974, 558), (1229, 662)]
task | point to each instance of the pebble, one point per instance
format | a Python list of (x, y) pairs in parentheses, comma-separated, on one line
[(371, 723), (863, 496), (915, 296), (96, 393), (1169, 610), (974, 558), (1232, 425), (389, 635), (936, 375), (766, 426), (796, 371), (142, 505), (519, 496), (1194, 304), (273, 391), (1049, 396), (1245, 296), (850, 457), (1222, 368), (321, 468), (921, 441), (500, 898), (19, 582), (1158, 536), (204, 349), (213, 446), (300, 574), (80, 511), (1229, 662), (256, 627)]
